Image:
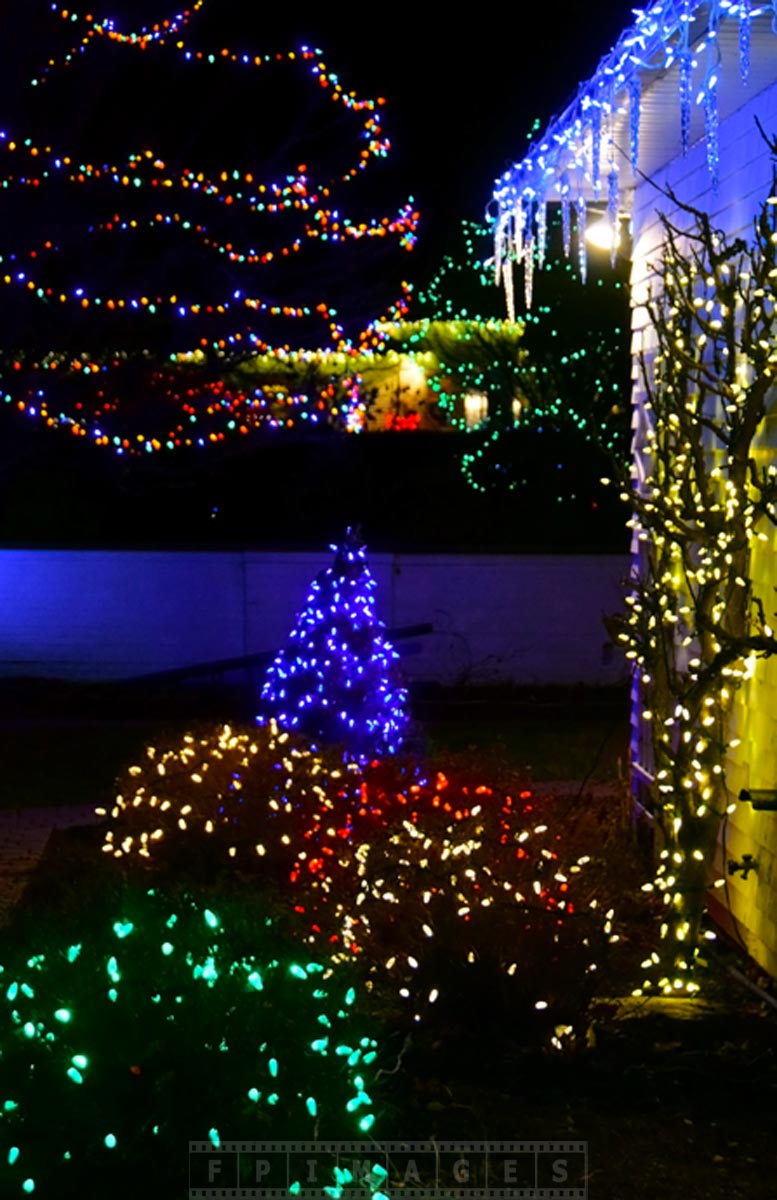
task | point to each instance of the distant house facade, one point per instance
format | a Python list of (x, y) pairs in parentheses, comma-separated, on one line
[(675, 107)]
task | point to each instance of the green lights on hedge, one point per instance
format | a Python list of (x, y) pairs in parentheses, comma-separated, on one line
[(63, 1015), (123, 929)]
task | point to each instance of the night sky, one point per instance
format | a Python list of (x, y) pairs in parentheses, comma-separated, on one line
[(461, 98), (462, 91)]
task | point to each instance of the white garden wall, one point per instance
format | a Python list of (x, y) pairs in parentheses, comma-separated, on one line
[(96, 614)]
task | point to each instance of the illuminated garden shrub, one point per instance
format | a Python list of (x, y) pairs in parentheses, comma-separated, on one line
[(429, 886), (167, 1021), (226, 795)]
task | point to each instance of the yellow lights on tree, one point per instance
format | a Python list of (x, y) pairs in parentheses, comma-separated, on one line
[(695, 625)]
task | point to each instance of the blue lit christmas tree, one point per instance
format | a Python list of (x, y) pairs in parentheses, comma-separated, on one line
[(336, 679)]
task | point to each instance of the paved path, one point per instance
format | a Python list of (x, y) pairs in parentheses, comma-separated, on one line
[(23, 837)]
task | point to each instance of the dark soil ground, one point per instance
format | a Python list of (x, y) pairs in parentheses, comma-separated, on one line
[(675, 1101)]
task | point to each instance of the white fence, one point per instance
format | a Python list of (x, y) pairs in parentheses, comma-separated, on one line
[(98, 614)]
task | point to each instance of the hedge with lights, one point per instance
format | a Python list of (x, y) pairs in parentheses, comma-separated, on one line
[(695, 623), (461, 896), (168, 1021), (436, 889), (238, 795)]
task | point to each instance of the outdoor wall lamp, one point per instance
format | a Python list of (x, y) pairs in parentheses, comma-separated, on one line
[(746, 864), (762, 799)]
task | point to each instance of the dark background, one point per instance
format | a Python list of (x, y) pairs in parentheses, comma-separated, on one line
[(462, 95)]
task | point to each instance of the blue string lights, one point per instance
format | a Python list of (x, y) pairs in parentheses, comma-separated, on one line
[(669, 35), (336, 680)]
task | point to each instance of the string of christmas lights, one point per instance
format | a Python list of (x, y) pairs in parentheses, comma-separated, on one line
[(703, 496), (562, 368), (336, 680), (172, 1020), (182, 247), (418, 880), (564, 164)]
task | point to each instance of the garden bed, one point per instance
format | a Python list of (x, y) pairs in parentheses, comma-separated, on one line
[(671, 1098)]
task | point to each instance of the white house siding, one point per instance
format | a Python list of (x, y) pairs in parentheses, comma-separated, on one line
[(745, 181)]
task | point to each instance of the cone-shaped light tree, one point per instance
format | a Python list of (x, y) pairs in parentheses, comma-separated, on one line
[(336, 681)]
